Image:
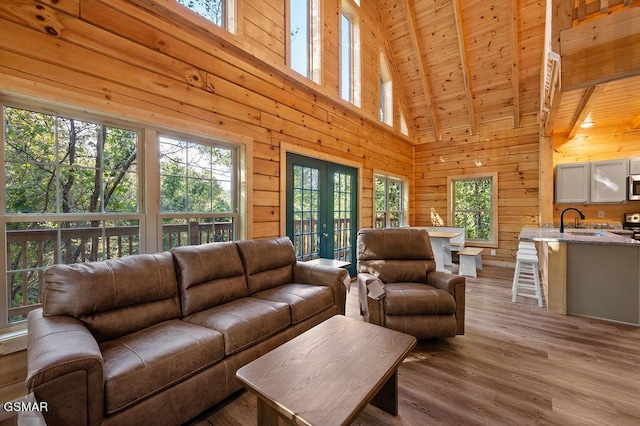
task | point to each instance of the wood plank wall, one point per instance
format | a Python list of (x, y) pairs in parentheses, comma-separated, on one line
[(598, 144), (147, 61), (514, 155)]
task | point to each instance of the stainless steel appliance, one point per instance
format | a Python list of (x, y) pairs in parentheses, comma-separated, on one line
[(633, 188), (632, 223)]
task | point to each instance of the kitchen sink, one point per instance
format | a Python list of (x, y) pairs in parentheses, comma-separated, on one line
[(588, 233)]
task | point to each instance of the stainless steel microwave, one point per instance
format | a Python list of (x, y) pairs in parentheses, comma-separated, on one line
[(634, 187)]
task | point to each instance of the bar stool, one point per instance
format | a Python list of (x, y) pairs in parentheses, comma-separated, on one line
[(526, 276)]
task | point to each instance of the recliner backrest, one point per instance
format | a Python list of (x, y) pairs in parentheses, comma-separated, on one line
[(395, 254)]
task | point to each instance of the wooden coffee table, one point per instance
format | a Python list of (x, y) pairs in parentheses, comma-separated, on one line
[(328, 375)]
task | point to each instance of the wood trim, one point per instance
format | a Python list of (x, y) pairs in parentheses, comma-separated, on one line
[(466, 71), (556, 253), (515, 64)]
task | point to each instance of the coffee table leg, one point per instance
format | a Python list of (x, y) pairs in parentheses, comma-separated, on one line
[(267, 415), (387, 397)]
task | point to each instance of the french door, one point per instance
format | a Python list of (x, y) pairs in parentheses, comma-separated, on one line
[(322, 209)]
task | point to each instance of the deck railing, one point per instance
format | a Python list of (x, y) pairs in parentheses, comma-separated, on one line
[(30, 252)]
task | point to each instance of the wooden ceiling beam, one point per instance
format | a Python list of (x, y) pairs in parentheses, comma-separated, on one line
[(422, 70), (515, 64), (589, 98), (466, 72)]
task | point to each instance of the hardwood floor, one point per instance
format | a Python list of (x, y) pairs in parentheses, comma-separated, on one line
[(516, 364)]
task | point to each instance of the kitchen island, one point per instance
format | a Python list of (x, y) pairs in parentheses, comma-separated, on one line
[(589, 272)]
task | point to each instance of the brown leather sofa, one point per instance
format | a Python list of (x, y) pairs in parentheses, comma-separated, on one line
[(415, 299), (157, 338)]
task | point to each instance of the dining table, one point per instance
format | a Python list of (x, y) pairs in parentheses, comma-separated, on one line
[(441, 246)]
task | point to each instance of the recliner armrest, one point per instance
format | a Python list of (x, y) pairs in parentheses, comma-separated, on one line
[(65, 369), (445, 281), (456, 285), (335, 278), (371, 309)]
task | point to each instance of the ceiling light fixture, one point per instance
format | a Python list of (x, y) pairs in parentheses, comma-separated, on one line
[(587, 124)]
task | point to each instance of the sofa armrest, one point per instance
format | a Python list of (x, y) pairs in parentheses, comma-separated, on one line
[(456, 285), (65, 369), (335, 278)]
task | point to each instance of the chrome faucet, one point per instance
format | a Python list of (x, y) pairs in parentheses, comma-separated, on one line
[(562, 217)]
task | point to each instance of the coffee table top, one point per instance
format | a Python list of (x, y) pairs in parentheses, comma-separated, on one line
[(329, 373)]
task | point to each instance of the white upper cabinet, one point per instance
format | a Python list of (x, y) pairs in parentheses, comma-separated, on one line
[(609, 181), (572, 183)]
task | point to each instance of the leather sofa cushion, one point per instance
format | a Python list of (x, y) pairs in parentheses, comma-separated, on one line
[(417, 299), (144, 363), (115, 297), (244, 322), (304, 300), (209, 275), (268, 263)]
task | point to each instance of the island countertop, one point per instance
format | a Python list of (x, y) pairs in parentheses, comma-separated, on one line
[(575, 235)]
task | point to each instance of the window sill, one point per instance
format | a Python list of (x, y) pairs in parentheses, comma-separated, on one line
[(14, 341)]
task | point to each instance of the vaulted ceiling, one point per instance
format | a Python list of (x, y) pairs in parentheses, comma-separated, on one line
[(472, 66)]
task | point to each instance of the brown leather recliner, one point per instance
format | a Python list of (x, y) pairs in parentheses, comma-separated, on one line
[(416, 299)]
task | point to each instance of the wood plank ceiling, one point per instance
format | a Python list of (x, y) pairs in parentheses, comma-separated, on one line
[(457, 61), (471, 66)]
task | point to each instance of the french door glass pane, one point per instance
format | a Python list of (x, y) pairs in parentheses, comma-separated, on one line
[(342, 216), (306, 209)]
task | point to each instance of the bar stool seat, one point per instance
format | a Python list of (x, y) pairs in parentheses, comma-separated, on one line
[(526, 278)]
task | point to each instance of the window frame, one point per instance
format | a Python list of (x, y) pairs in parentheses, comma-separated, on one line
[(229, 15), (148, 214), (493, 232), (404, 199), (386, 91), (189, 215), (314, 40), (350, 11)]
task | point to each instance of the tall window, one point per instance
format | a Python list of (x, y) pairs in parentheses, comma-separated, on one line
[(304, 38), (350, 52), (74, 191), (220, 12), (386, 92), (71, 195), (197, 197), (473, 203), (404, 127), (390, 202)]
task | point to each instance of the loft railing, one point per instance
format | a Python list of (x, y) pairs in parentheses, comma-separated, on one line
[(31, 251), (589, 9)]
